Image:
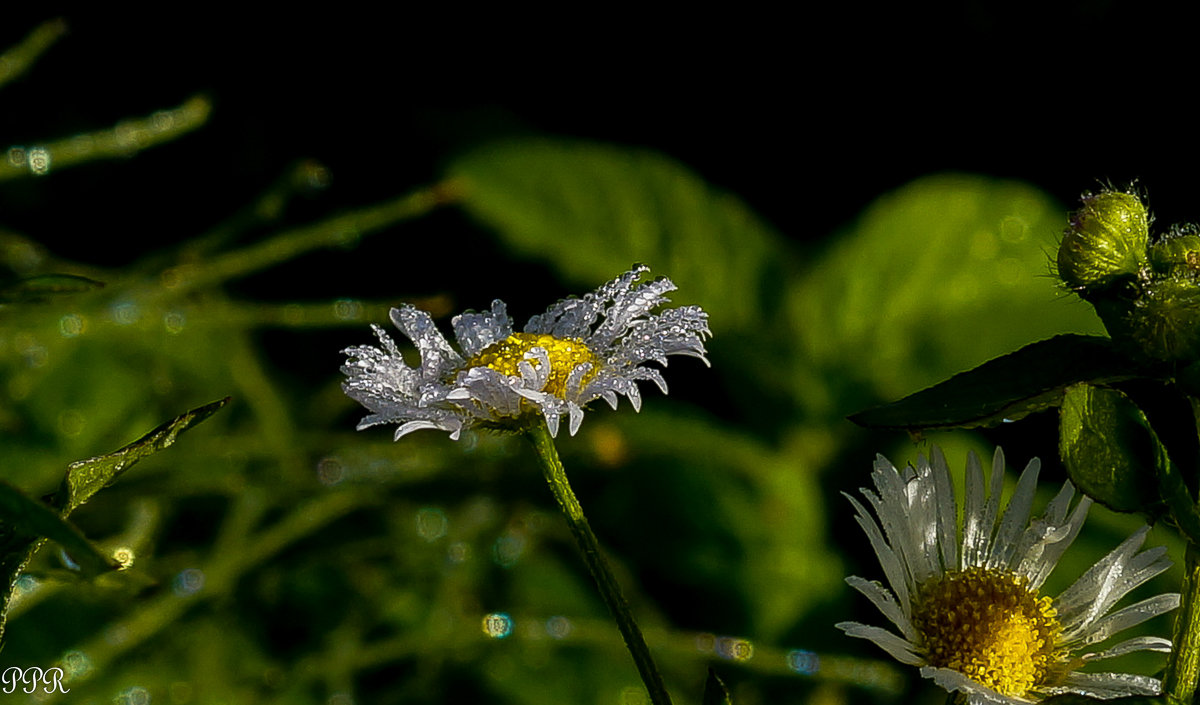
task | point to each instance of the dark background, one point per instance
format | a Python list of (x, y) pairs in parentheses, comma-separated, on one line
[(808, 118)]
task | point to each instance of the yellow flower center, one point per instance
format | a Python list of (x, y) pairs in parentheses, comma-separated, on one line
[(504, 356), (989, 626)]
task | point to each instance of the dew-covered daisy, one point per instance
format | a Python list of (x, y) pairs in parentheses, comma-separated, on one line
[(968, 606), (579, 350)]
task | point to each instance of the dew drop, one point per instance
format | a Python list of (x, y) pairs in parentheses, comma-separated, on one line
[(508, 549), (125, 313), (805, 663), (174, 322), (124, 555), (135, 695), (432, 523), (558, 627), (347, 310), (330, 471), (188, 582), (39, 161), (76, 664), (459, 552), (72, 325), (735, 649), (497, 625)]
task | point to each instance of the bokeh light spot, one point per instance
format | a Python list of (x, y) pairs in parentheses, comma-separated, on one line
[(805, 663), (497, 625), (432, 523), (188, 582), (72, 325)]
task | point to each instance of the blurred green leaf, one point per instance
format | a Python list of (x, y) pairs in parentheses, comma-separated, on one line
[(715, 692), (1006, 388), (934, 278), (44, 286), (591, 210), (85, 478), (1109, 449)]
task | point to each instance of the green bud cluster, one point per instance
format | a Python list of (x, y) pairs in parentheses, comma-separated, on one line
[(1145, 289)]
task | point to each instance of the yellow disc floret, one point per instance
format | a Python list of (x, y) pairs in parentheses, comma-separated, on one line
[(565, 355), (988, 625)]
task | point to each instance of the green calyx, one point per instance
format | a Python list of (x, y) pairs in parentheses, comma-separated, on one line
[(1105, 242), (1146, 293)]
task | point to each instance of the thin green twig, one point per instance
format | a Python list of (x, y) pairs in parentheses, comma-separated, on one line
[(589, 548), (340, 231), (122, 140), (20, 58)]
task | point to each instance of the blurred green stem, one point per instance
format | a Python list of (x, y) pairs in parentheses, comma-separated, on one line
[(1183, 666), (589, 547)]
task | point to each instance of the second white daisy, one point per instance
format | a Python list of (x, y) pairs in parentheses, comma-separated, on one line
[(969, 607)]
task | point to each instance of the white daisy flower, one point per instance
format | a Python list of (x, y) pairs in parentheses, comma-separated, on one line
[(579, 350), (969, 606)]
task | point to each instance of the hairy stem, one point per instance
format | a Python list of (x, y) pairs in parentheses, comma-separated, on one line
[(1183, 667)]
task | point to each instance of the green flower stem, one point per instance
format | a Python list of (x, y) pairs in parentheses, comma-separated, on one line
[(589, 547), (1183, 666)]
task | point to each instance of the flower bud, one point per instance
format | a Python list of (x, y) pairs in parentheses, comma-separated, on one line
[(1156, 319), (1178, 253), (1105, 241)]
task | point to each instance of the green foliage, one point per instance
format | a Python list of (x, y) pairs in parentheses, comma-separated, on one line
[(590, 210), (715, 692), (25, 523), (280, 556), (1109, 449), (85, 478), (932, 279), (1008, 388)]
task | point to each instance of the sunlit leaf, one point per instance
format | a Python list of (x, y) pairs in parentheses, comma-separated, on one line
[(591, 210), (85, 478), (1006, 388), (1109, 449), (933, 279)]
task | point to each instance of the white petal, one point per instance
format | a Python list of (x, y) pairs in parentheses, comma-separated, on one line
[(947, 510), (1139, 643), (1111, 685), (898, 648), (885, 603), (576, 415), (975, 535), (977, 693), (1016, 518), (893, 569)]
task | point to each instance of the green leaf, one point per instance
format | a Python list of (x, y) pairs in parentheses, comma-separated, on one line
[(23, 521), (1006, 388), (932, 279), (715, 692), (591, 210), (42, 287), (85, 478), (1109, 449)]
